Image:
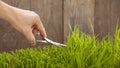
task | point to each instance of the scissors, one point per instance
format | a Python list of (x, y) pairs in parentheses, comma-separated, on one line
[(46, 40)]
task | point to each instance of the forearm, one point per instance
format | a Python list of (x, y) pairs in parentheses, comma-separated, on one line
[(6, 12)]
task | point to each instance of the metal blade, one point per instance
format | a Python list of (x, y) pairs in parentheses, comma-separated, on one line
[(43, 41), (54, 43), (51, 42)]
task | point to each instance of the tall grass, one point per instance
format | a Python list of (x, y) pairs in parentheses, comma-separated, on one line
[(82, 51)]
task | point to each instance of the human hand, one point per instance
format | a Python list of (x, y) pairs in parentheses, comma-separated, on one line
[(25, 21), (28, 23)]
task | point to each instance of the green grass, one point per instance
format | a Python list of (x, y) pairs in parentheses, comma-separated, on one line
[(82, 51)]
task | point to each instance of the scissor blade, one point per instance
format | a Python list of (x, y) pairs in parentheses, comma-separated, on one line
[(54, 43), (42, 41)]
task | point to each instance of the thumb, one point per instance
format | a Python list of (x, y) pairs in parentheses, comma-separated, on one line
[(30, 37)]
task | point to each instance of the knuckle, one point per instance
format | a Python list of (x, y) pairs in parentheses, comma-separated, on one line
[(35, 13), (37, 16)]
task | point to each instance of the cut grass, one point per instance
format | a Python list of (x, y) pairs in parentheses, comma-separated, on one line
[(82, 51)]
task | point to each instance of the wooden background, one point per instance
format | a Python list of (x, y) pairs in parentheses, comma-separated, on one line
[(107, 12), (93, 16)]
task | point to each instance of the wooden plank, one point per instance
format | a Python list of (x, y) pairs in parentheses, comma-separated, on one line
[(50, 12), (10, 38), (101, 17), (79, 12), (115, 15), (106, 14)]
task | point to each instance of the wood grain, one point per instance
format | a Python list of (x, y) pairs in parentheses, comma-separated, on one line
[(93, 16), (10, 38), (79, 12), (50, 12), (106, 14)]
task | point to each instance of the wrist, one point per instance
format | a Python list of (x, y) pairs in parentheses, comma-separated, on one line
[(7, 12)]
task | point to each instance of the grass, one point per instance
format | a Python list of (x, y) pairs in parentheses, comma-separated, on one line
[(82, 51)]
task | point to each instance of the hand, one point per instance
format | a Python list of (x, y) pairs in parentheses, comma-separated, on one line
[(25, 21), (28, 23)]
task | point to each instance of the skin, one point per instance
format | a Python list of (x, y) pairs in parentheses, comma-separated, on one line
[(25, 21)]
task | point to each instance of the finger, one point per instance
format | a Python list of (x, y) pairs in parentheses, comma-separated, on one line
[(30, 37), (41, 29), (35, 31)]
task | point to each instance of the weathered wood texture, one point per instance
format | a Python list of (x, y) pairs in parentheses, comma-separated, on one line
[(50, 12), (79, 12), (93, 16), (10, 38), (106, 14)]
